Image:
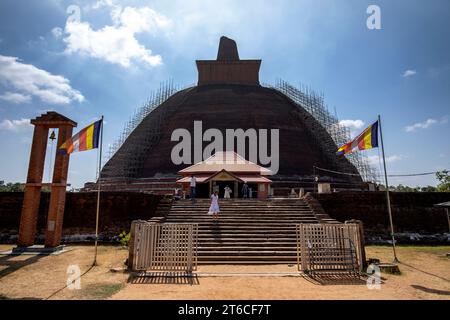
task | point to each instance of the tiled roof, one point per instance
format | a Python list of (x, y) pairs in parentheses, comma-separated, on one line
[(225, 160)]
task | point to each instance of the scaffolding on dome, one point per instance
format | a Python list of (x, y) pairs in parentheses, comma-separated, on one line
[(314, 103), (128, 160), (131, 154)]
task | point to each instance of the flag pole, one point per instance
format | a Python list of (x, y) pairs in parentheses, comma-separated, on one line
[(387, 193), (98, 192)]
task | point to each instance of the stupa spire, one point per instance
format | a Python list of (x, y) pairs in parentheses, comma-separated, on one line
[(228, 68), (227, 50)]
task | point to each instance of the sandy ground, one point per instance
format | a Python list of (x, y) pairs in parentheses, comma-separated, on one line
[(425, 275)]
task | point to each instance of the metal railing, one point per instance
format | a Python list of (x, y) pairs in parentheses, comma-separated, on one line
[(329, 248), (163, 247)]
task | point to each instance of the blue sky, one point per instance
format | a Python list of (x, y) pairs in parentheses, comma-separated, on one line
[(111, 59)]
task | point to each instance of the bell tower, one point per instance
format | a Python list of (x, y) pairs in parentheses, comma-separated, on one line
[(33, 186)]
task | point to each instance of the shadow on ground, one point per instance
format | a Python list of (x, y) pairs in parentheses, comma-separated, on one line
[(336, 279), (429, 290), (425, 272), (3, 297), (164, 278), (14, 265)]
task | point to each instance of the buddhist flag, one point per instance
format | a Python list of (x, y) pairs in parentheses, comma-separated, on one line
[(86, 139), (368, 139)]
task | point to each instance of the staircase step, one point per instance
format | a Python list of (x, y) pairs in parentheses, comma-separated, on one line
[(246, 259), (248, 249), (242, 253), (243, 214), (246, 262), (235, 244), (262, 234), (249, 231), (230, 223), (243, 208), (249, 239)]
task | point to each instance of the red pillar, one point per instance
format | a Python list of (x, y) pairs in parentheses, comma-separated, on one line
[(58, 192), (32, 197)]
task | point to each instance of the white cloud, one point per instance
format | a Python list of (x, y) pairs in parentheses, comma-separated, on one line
[(355, 126), (352, 124), (421, 125), (57, 32), (15, 125), (409, 73), (15, 97), (32, 81), (374, 160), (103, 3), (426, 124), (117, 43)]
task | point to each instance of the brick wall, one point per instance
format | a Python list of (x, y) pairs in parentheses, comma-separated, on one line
[(412, 212), (117, 210)]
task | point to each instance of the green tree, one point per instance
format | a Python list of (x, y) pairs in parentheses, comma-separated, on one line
[(11, 187), (402, 188), (428, 189), (444, 179)]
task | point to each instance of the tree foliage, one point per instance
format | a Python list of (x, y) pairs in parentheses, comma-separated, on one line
[(11, 187), (124, 238), (444, 181), (443, 186), (402, 188), (19, 187)]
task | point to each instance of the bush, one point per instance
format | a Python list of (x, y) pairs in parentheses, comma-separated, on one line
[(124, 238), (444, 179)]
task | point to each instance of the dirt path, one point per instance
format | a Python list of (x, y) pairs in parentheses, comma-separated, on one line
[(39, 277), (431, 283), (425, 275)]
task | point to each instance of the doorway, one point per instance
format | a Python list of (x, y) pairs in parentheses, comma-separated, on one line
[(220, 185)]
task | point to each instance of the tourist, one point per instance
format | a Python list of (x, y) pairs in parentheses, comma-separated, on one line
[(250, 194), (193, 184), (227, 192), (214, 209), (245, 190)]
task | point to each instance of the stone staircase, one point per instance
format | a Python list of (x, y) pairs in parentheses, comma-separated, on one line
[(249, 231)]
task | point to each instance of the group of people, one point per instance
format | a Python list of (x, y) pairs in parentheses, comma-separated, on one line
[(214, 208), (246, 192)]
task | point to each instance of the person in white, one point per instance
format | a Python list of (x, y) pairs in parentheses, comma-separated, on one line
[(214, 209), (177, 193), (227, 192), (193, 184)]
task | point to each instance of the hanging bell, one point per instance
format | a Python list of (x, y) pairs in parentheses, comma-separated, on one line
[(53, 135)]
